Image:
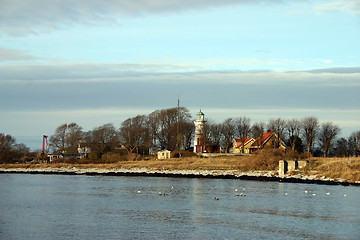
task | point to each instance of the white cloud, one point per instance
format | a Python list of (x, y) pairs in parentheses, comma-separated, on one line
[(7, 54), (19, 17), (352, 7), (173, 73)]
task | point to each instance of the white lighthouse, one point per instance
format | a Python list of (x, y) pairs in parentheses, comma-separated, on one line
[(199, 140)]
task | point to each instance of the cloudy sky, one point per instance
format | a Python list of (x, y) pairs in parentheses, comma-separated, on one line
[(94, 62)]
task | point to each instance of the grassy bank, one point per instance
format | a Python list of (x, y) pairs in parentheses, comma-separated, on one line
[(345, 168)]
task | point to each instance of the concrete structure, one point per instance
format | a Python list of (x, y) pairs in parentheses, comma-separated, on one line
[(302, 164), (199, 140), (164, 154), (291, 165), (282, 168)]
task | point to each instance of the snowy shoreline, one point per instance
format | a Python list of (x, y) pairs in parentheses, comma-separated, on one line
[(220, 174)]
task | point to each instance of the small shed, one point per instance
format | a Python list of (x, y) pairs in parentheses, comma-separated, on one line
[(164, 154)]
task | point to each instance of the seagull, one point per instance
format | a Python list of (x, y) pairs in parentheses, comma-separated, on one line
[(344, 195), (314, 194), (139, 191), (306, 191), (328, 193), (286, 194), (236, 190)]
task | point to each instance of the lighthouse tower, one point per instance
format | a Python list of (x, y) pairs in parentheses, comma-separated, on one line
[(199, 140)]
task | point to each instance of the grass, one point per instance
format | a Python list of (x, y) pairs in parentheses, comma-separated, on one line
[(345, 168)]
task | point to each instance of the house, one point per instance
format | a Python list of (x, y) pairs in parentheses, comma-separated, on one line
[(164, 154), (83, 150), (237, 145), (267, 140)]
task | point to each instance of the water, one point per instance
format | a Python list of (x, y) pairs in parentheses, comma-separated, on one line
[(99, 207)]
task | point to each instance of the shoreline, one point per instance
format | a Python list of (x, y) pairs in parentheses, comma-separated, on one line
[(268, 176)]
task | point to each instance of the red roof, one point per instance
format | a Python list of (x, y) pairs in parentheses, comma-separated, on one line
[(246, 140), (261, 139)]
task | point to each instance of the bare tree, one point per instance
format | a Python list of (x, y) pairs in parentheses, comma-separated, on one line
[(293, 128), (154, 126), (212, 134), (6, 142), (257, 130), (328, 133), (243, 129), (342, 148), (215, 133), (73, 135), (102, 138), (186, 133), (355, 137), (66, 137), (310, 126), (9, 150), (168, 125), (167, 128), (278, 127), (228, 132), (57, 141), (134, 133), (21, 148)]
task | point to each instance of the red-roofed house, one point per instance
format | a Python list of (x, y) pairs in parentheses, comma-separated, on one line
[(267, 140), (238, 145)]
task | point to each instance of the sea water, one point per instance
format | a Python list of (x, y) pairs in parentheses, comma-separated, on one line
[(39, 206)]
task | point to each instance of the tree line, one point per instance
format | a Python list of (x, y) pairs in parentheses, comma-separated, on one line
[(173, 129), (307, 134), (11, 151), (170, 128)]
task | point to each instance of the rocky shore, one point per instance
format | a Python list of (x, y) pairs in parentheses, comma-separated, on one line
[(221, 174)]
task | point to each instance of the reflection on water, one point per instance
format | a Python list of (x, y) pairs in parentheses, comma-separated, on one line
[(98, 207)]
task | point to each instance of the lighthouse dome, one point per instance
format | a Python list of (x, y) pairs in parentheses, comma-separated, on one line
[(200, 115)]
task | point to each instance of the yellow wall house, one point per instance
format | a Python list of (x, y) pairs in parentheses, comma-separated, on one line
[(267, 140), (164, 154), (237, 145)]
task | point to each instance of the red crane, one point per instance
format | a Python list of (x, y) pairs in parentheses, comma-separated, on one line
[(45, 140)]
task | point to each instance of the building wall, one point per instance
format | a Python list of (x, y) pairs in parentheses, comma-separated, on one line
[(236, 145), (165, 154), (271, 141)]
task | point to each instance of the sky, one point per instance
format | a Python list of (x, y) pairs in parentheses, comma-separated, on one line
[(96, 62)]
